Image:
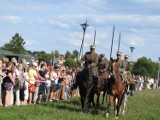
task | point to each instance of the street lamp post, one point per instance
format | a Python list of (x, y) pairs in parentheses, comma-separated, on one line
[(132, 48), (84, 26)]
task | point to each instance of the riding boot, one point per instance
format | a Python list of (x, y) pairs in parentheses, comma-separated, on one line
[(107, 86), (131, 89)]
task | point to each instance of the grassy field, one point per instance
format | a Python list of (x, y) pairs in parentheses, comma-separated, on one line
[(142, 106)]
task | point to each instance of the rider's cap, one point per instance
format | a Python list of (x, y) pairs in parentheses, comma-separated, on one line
[(126, 56), (102, 55), (93, 46), (119, 53)]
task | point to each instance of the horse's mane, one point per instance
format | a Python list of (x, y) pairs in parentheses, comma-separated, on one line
[(115, 73), (115, 66), (85, 76)]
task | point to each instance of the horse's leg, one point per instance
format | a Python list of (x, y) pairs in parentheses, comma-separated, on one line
[(115, 105), (120, 99), (98, 94), (88, 97), (106, 97), (92, 99), (125, 103), (82, 103), (104, 92), (82, 94), (109, 105)]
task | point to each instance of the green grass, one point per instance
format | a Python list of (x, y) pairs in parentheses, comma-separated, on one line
[(142, 106)]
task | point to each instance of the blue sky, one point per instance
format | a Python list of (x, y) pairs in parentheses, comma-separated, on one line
[(55, 25)]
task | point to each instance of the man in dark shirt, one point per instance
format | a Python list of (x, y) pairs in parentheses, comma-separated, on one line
[(8, 82), (43, 88)]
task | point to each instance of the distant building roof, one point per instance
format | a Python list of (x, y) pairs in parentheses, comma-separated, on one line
[(6, 52), (11, 54)]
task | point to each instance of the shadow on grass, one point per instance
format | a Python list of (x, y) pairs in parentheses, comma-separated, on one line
[(64, 107), (73, 105), (74, 102)]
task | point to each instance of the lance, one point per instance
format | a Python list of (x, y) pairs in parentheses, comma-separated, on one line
[(84, 26), (112, 41), (94, 38), (119, 43)]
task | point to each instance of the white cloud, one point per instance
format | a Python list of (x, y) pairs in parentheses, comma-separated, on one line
[(138, 21), (147, 1), (53, 22), (29, 43), (154, 19), (135, 41), (11, 19)]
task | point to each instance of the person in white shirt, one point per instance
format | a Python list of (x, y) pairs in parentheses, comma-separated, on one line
[(54, 76)]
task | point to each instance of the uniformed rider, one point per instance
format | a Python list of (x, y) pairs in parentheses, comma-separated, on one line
[(121, 64), (127, 74), (102, 64), (128, 67), (91, 58)]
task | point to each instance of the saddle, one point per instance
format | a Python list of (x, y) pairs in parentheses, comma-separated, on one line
[(122, 77)]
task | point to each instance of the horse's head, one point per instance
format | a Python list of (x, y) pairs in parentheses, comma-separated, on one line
[(87, 69), (114, 67), (86, 75)]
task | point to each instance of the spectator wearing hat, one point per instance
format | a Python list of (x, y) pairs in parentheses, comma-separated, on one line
[(14, 61), (32, 79)]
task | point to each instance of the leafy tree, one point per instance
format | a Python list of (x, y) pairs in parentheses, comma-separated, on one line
[(146, 67), (70, 62), (42, 55), (16, 45), (56, 53), (75, 54), (68, 54)]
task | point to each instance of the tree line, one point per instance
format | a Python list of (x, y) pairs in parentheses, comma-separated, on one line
[(143, 66)]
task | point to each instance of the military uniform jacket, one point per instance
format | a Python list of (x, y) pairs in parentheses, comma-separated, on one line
[(103, 66), (91, 58), (128, 68), (121, 66)]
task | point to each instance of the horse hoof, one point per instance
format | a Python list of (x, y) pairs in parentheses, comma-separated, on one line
[(107, 115), (115, 112), (123, 112), (116, 117)]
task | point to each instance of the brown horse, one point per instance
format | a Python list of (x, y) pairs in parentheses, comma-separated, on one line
[(116, 89), (102, 86)]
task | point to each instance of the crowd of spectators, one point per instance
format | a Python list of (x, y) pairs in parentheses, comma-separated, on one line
[(33, 82), (143, 82)]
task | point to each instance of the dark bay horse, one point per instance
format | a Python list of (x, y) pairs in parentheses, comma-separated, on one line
[(102, 87), (116, 89), (85, 81)]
